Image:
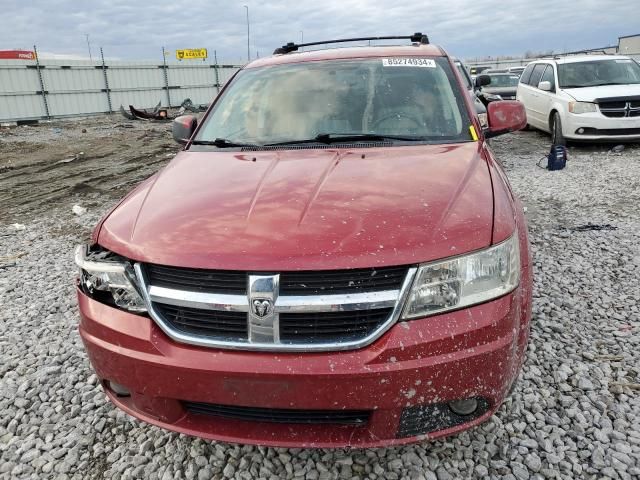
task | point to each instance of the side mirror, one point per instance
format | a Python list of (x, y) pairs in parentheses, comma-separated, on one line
[(183, 127), (546, 86), (482, 80), (504, 117)]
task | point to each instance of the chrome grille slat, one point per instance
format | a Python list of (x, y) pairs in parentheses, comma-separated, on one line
[(321, 321)]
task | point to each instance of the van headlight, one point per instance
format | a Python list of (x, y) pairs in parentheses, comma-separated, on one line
[(108, 278), (466, 280), (582, 107)]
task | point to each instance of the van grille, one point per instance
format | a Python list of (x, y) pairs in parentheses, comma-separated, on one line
[(620, 107)]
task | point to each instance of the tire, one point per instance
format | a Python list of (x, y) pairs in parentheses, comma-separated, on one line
[(557, 138)]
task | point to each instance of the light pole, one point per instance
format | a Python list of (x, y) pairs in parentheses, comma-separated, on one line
[(89, 47), (248, 52), (301, 36)]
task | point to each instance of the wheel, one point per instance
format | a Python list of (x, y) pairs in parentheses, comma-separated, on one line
[(557, 138)]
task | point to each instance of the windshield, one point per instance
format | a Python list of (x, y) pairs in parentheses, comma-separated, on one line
[(599, 72), (504, 80), (416, 98)]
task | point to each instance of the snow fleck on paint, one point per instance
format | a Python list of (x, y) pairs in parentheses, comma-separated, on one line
[(410, 393)]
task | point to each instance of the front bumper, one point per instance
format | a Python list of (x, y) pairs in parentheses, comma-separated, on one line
[(598, 127), (474, 352)]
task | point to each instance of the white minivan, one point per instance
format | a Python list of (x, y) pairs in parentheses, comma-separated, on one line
[(583, 97)]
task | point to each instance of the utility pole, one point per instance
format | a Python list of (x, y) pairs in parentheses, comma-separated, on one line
[(89, 47), (248, 52)]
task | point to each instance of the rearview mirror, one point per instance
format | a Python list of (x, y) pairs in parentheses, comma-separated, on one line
[(504, 117), (546, 86), (183, 127), (482, 80)]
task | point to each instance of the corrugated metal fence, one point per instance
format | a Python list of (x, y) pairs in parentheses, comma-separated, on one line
[(33, 90)]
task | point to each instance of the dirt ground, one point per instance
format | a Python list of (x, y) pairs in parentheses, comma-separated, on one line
[(95, 160)]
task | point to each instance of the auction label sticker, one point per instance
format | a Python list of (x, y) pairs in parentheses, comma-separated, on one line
[(409, 62)]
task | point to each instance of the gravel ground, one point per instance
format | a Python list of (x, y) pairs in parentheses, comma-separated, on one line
[(574, 414)]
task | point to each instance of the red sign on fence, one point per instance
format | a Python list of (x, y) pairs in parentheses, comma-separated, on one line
[(17, 55)]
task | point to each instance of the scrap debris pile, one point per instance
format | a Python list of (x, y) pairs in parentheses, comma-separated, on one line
[(161, 114)]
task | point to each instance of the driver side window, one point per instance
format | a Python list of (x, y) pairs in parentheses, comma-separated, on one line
[(549, 76)]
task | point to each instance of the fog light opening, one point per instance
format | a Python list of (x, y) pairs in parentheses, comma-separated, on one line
[(581, 130), (119, 390), (464, 407)]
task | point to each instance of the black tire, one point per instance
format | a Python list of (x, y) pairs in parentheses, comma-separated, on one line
[(557, 138)]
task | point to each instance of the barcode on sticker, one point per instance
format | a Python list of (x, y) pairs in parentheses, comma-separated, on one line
[(409, 62)]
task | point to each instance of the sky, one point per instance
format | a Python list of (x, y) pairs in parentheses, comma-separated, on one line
[(137, 30)]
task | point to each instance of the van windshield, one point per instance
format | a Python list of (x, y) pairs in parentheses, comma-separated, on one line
[(413, 98), (622, 71)]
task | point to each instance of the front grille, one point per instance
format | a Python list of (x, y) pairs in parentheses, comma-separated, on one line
[(198, 280), (220, 324), (620, 107), (291, 283), (422, 419), (331, 326), (294, 310), (342, 281), (278, 415)]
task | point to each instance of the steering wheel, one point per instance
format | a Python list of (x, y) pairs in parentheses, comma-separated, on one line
[(395, 116)]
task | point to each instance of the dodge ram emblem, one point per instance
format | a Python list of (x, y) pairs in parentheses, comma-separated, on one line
[(262, 307)]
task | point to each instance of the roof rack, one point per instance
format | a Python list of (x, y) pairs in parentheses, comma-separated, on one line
[(292, 47), (593, 51)]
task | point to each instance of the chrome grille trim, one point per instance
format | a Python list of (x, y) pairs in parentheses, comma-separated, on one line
[(205, 301), (308, 303)]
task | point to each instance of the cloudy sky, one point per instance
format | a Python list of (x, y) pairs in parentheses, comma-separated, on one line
[(129, 29)]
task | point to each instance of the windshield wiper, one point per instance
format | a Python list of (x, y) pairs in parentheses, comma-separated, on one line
[(223, 143), (330, 138)]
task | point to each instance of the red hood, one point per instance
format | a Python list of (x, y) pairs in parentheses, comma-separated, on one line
[(308, 209)]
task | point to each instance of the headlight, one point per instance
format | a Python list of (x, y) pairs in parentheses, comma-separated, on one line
[(465, 280), (582, 107), (108, 278)]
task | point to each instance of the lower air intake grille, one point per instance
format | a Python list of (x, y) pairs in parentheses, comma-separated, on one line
[(274, 415), (423, 419)]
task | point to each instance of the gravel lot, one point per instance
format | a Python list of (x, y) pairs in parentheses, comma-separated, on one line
[(574, 414)]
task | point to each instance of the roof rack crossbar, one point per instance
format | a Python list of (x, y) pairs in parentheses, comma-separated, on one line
[(292, 47)]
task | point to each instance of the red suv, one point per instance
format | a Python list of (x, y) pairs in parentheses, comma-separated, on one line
[(334, 259)]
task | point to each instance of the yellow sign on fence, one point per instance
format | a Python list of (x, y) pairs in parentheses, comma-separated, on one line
[(191, 53)]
